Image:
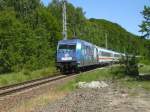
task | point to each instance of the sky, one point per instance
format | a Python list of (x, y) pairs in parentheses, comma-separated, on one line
[(124, 12)]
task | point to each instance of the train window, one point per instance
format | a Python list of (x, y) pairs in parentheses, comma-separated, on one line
[(89, 50), (106, 54), (99, 52), (117, 55), (65, 46)]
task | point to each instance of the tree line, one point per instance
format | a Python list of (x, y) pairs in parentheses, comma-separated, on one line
[(29, 32)]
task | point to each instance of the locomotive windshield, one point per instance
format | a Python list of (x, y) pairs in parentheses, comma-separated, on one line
[(70, 47)]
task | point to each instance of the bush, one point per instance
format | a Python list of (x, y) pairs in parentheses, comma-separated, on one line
[(27, 72), (117, 72), (145, 61), (131, 66)]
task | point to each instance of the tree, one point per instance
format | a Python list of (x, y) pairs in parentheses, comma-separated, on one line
[(29, 32), (145, 26)]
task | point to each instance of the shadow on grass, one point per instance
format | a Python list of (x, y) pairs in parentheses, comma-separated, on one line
[(143, 77)]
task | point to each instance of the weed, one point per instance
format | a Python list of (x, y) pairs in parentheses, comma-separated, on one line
[(115, 73), (25, 75)]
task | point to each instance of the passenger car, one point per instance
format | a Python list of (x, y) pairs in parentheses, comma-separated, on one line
[(75, 54)]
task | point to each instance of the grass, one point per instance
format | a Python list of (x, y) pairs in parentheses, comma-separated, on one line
[(144, 69), (95, 75), (131, 84), (99, 74), (114, 73), (145, 61), (38, 102), (25, 75)]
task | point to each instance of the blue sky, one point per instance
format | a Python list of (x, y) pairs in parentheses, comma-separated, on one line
[(124, 12)]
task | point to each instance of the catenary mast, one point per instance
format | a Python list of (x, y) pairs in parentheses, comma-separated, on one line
[(64, 19)]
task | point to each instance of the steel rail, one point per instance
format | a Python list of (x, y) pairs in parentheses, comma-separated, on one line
[(8, 90), (25, 82)]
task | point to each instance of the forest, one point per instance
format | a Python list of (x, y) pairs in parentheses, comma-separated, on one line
[(29, 32)]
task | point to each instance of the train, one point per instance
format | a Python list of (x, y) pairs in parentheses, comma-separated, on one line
[(75, 54)]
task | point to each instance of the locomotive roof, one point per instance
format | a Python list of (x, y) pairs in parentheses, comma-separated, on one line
[(76, 40), (73, 41), (68, 41)]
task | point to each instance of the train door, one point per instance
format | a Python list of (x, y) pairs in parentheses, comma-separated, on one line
[(82, 55), (97, 56)]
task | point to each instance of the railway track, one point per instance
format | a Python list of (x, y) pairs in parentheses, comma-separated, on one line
[(8, 90)]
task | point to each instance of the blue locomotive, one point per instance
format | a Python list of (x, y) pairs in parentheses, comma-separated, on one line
[(76, 54)]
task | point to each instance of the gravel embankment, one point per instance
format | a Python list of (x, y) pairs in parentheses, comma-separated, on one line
[(109, 99)]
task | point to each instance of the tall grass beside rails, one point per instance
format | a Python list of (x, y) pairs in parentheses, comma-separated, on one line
[(145, 61), (132, 83), (25, 75), (115, 74)]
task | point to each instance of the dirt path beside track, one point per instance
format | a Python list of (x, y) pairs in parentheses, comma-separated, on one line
[(109, 99)]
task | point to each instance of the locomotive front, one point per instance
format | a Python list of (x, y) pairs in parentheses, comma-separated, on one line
[(66, 56)]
